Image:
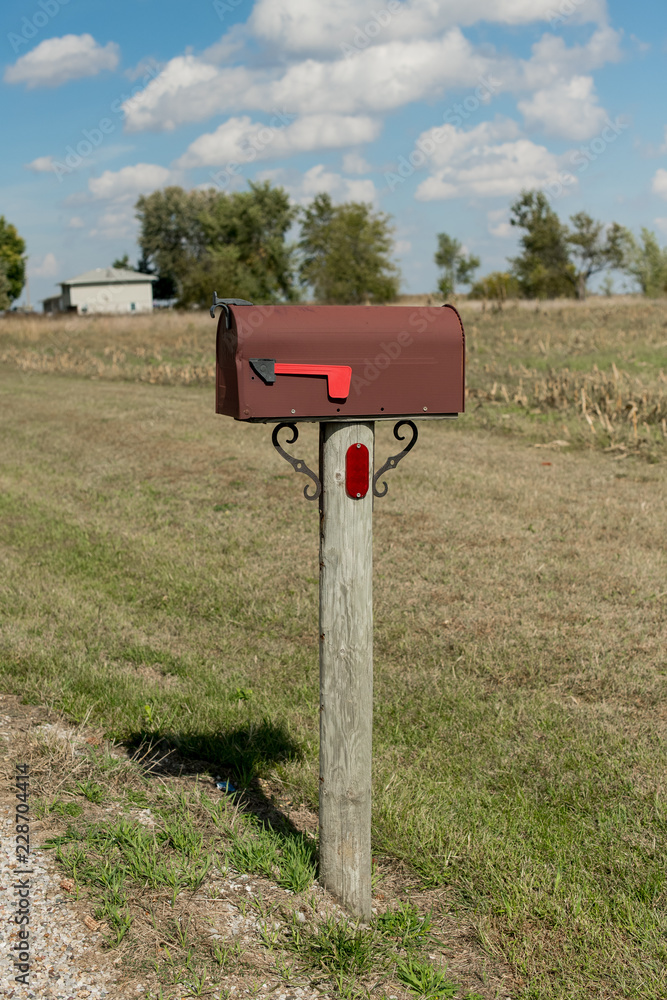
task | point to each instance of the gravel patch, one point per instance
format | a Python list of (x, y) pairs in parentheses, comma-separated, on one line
[(63, 960)]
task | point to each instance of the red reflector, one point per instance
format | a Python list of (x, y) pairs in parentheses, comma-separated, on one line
[(356, 471)]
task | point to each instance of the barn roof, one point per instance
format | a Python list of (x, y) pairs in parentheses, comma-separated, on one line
[(109, 276)]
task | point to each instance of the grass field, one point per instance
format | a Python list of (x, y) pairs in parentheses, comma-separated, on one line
[(159, 576)]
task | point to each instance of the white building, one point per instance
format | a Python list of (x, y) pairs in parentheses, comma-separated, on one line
[(104, 290)]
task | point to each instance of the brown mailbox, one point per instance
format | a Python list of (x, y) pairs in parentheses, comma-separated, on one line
[(289, 363)]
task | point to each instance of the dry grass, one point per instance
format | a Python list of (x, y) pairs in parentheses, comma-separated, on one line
[(591, 373)]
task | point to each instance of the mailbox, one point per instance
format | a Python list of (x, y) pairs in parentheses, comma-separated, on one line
[(295, 363)]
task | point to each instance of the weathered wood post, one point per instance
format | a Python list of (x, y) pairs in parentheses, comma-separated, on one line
[(346, 670)]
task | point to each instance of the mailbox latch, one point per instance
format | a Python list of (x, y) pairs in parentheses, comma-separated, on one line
[(225, 304)]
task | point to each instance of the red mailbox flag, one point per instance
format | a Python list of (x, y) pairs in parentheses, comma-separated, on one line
[(338, 376)]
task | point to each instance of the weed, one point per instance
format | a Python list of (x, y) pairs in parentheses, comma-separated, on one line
[(289, 860), (61, 808), (337, 947), (91, 791), (424, 980), (406, 926)]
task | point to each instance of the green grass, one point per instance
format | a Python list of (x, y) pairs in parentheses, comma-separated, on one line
[(423, 980), (520, 670)]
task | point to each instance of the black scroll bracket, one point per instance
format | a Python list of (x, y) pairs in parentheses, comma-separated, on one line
[(393, 461), (225, 304), (296, 463)]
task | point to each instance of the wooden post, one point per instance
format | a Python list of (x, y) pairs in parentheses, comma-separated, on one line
[(346, 671)]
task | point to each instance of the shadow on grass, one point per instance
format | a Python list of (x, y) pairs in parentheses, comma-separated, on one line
[(241, 755)]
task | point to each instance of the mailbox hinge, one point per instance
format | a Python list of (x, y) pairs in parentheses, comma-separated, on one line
[(393, 461), (226, 303), (296, 463)]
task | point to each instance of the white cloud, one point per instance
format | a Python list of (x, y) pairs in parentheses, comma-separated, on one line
[(42, 165), (58, 60), (378, 79), (301, 26), (498, 223), (491, 160), (552, 61), (302, 188), (241, 140), (354, 163), (661, 224), (185, 91), (431, 59), (76, 222), (402, 246), (659, 185), (148, 68), (663, 148), (129, 182), (318, 179), (47, 269), (117, 222), (569, 109)]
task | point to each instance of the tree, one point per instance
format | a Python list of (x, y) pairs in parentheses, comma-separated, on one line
[(345, 253), (5, 300), (497, 286), (594, 249), (170, 235), (12, 259), (254, 224), (543, 269), (457, 268), (164, 287), (646, 261), (123, 263), (209, 240)]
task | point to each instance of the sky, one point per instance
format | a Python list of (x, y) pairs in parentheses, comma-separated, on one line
[(438, 112)]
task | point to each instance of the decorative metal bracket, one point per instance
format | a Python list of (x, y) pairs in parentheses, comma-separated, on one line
[(393, 461), (296, 463), (225, 304)]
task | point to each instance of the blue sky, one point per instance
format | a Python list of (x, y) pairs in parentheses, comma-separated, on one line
[(437, 112)]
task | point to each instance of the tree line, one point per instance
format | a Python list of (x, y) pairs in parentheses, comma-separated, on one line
[(556, 259), (196, 241), (201, 240), (258, 245)]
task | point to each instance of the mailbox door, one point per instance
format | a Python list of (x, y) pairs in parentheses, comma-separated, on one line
[(338, 362)]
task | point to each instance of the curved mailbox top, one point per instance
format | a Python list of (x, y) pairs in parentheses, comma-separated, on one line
[(292, 363)]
